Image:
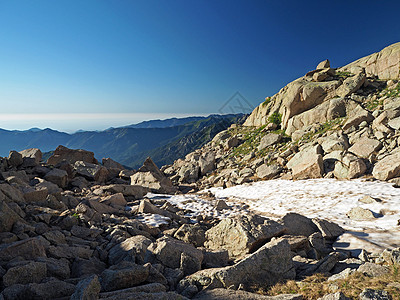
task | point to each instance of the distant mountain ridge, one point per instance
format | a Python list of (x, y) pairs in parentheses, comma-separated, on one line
[(171, 122), (129, 145)]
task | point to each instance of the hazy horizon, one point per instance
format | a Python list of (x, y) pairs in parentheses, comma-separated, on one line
[(117, 63), (71, 123)]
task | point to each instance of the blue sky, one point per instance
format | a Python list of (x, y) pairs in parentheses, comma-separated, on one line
[(125, 61)]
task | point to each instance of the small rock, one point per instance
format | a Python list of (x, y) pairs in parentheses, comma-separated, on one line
[(369, 200), (335, 296), (124, 275), (359, 214), (323, 64), (373, 270), (269, 140), (87, 289), (28, 273), (370, 294), (192, 234), (15, 159), (328, 229)]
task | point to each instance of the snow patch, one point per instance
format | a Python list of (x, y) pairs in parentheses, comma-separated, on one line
[(328, 199)]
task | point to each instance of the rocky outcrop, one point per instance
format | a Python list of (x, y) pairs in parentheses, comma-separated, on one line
[(71, 156), (265, 267), (328, 110), (307, 163), (388, 167), (242, 235), (384, 64), (150, 176)]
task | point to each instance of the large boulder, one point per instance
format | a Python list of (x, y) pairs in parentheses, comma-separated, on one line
[(7, 216), (297, 224), (265, 267), (227, 294), (351, 85), (71, 156), (388, 167), (349, 167), (242, 235), (365, 146), (150, 291), (132, 249), (328, 229), (384, 64), (150, 176), (297, 97), (127, 190), (86, 289), (268, 171), (322, 113), (192, 234), (33, 154), (269, 140), (303, 96), (373, 270), (370, 294), (146, 206), (15, 159), (307, 164), (124, 275), (207, 162), (189, 172), (336, 141), (12, 194), (57, 176), (91, 171), (111, 164), (27, 273), (51, 288), (323, 64), (356, 116), (175, 254), (28, 249)]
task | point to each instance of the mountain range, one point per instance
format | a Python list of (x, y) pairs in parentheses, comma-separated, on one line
[(163, 140)]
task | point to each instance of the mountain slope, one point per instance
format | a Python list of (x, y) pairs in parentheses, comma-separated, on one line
[(172, 122), (129, 146)]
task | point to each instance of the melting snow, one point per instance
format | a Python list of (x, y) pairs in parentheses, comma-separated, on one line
[(328, 199)]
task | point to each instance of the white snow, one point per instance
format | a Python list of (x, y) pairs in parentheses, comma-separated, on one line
[(328, 199), (154, 220)]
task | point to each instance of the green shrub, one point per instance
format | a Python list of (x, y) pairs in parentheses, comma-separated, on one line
[(267, 101), (344, 74), (275, 118)]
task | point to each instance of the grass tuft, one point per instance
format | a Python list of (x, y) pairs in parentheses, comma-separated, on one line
[(316, 286)]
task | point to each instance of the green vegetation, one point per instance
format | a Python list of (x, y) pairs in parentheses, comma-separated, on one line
[(267, 101), (316, 286), (275, 118), (323, 128), (373, 104), (393, 92), (344, 75), (251, 141)]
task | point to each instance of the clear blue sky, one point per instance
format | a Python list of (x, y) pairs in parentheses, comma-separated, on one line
[(146, 59)]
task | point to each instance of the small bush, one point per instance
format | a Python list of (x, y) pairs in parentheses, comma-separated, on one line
[(395, 92), (267, 101), (343, 74), (275, 118)]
